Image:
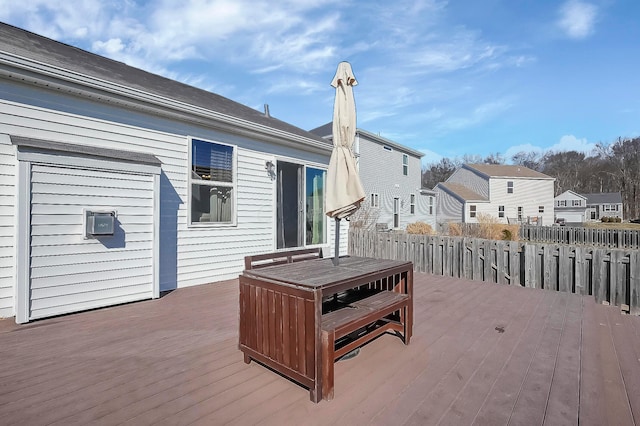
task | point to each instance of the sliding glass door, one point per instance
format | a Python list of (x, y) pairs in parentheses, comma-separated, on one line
[(300, 206)]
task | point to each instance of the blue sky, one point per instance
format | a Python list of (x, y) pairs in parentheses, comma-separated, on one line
[(446, 78)]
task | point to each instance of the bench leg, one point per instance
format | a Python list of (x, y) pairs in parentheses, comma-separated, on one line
[(328, 355)]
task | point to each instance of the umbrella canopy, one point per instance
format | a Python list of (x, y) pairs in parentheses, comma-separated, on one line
[(344, 190)]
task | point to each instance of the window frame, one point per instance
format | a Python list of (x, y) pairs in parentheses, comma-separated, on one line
[(520, 213), (412, 203), (500, 211), (233, 186), (540, 209), (473, 210), (510, 187), (375, 200), (405, 165), (431, 205)]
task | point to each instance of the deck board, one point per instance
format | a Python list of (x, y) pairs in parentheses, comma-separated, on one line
[(483, 354)]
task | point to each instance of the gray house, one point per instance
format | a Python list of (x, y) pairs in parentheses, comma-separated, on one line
[(391, 175), (603, 204), (579, 208), (117, 184)]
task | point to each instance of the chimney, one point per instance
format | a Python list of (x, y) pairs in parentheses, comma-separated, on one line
[(266, 111)]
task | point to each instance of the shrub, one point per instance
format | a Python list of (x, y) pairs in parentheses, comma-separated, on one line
[(420, 228), (618, 220), (455, 229)]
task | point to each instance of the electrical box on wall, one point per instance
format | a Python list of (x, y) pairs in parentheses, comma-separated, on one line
[(99, 223)]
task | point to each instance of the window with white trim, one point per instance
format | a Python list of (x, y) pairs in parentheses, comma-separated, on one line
[(412, 203), (520, 213), (540, 209), (374, 200), (405, 164), (212, 183), (500, 211), (430, 205), (472, 210), (510, 187), (576, 203)]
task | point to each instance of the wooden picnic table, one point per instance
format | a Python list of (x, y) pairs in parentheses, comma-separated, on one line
[(282, 308)]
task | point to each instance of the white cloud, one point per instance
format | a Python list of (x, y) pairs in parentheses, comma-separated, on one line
[(572, 143), (577, 19), (566, 143)]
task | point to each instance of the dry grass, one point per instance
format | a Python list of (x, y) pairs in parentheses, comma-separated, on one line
[(420, 228), (488, 227), (604, 225)]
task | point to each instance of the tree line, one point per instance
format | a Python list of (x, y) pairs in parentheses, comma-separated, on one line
[(610, 167)]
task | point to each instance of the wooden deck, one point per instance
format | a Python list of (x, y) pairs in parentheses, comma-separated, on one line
[(481, 354)]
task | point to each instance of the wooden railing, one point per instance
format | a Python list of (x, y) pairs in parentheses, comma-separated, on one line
[(610, 275), (610, 238)]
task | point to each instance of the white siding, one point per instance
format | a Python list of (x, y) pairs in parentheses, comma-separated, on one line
[(450, 209), (381, 173), (7, 226), (188, 255), (529, 194), (69, 273)]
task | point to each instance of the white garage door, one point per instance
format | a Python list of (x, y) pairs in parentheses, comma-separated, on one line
[(70, 273), (573, 217)]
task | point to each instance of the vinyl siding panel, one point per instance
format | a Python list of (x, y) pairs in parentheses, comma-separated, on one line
[(527, 193), (450, 209), (7, 226), (381, 172), (188, 255), (471, 180), (63, 281)]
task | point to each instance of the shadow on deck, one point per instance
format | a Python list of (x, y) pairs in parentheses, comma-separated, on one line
[(481, 354)]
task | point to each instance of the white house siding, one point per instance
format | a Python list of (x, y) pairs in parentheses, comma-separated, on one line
[(188, 255), (7, 223), (470, 180), (69, 273), (450, 208), (527, 193), (381, 173)]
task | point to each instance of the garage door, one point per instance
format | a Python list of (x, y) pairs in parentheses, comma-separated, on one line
[(69, 272)]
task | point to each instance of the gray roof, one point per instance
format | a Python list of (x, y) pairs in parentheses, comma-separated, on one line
[(461, 192), (327, 129), (35, 47), (508, 171), (604, 198)]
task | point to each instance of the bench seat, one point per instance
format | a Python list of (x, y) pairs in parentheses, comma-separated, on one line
[(369, 317)]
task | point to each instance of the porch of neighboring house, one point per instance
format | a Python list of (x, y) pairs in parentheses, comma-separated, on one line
[(480, 354)]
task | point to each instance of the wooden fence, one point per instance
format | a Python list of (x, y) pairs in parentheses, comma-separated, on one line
[(610, 238), (610, 275)]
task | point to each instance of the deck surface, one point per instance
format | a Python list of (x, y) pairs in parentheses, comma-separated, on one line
[(481, 354)]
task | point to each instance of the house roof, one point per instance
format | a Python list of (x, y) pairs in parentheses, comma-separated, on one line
[(461, 192), (571, 194), (604, 198), (506, 171), (16, 42), (327, 129)]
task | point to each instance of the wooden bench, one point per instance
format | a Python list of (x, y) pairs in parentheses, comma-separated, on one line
[(367, 318), (280, 257)]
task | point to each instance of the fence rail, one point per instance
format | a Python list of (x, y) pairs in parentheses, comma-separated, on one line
[(609, 275), (610, 238)]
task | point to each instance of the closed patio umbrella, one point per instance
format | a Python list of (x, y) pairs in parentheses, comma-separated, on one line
[(344, 190)]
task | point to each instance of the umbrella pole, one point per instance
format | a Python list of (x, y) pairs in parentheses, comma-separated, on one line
[(336, 251)]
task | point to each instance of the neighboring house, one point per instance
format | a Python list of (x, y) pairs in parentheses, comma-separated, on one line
[(505, 192), (603, 204), (579, 208), (571, 207), (391, 175), (117, 184)]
